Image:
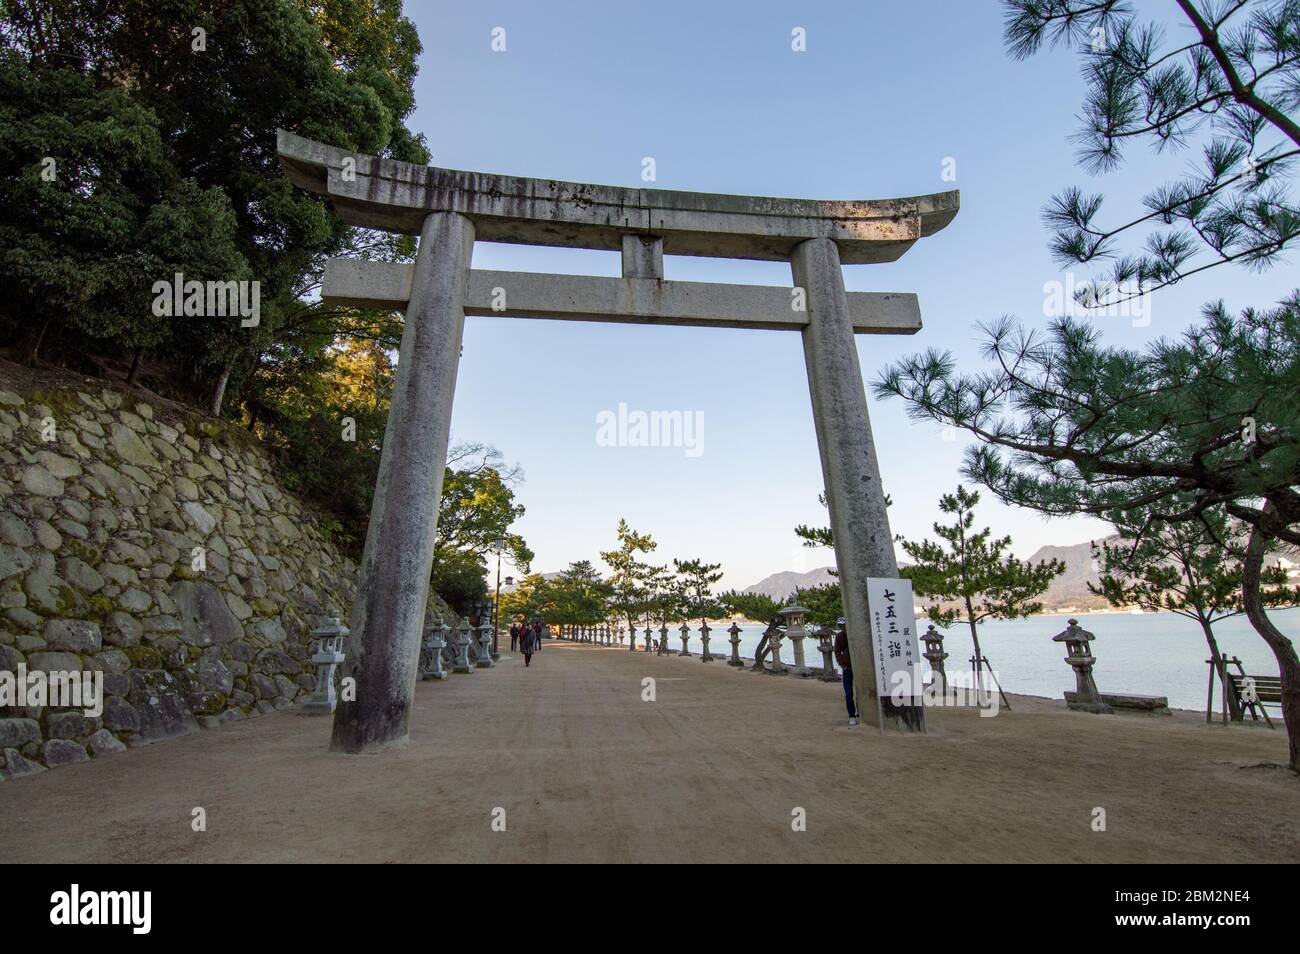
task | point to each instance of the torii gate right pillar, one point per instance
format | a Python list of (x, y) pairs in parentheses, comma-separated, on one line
[(864, 546)]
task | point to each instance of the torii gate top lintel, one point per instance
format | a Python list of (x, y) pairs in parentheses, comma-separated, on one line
[(396, 196)]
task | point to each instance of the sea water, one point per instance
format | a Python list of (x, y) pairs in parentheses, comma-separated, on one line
[(1161, 654)]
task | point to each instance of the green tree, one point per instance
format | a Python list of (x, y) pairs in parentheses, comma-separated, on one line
[(1192, 569), (758, 607), (1067, 426), (582, 594), (1179, 428), (460, 581), (478, 507), (166, 145), (534, 597), (1228, 91), (630, 577), (696, 599), (970, 575), (825, 603)]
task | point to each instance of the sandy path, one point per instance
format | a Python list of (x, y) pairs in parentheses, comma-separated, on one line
[(710, 771)]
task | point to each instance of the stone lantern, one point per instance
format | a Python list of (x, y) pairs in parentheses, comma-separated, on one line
[(686, 638), (826, 646), (664, 649), (485, 635), (1085, 698), (463, 664), (329, 653), (773, 634), (795, 632), (735, 659), (649, 638), (933, 640), (433, 647), (705, 655)]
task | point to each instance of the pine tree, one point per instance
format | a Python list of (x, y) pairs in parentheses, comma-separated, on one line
[(973, 570), (1192, 569)]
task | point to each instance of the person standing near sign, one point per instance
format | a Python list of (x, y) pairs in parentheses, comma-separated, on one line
[(846, 669)]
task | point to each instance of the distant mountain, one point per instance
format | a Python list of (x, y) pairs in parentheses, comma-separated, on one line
[(1071, 587), (780, 585), (1068, 589)]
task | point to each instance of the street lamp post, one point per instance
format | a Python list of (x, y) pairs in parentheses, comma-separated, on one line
[(496, 650)]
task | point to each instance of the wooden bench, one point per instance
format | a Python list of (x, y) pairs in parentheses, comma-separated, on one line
[(1255, 692)]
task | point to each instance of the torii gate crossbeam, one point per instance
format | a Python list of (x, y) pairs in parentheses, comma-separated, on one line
[(450, 209)]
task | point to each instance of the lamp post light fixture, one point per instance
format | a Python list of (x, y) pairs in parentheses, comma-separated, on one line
[(500, 547)]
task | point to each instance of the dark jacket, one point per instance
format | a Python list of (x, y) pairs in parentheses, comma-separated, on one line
[(842, 651)]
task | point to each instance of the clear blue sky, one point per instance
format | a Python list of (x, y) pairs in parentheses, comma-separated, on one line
[(885, 92)]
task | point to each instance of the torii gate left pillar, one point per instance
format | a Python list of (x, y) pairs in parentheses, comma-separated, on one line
[(449, 209), (398, 556)]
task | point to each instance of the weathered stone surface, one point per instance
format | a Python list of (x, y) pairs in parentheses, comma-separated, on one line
[(122, 629), (57, 752), (104, 742), (73, 635), (205, 616), (120, 715), (13, 561), (270, 631), (213, 674), (63, 468), (163, 712), (14, 764), (198, 514), (237, 606), (264, 686), (14, 531), (53, 662), (15, 733), (10, 658), (49, 593), (130, 447), (69, 725), (81, 574), (37, 480), (275, 661)]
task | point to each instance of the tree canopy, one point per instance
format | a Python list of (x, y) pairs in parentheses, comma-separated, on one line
[(1228, 93)]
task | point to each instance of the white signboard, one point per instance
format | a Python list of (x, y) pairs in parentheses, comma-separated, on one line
[(893, 638)]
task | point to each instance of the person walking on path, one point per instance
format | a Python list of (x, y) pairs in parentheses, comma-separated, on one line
[(514, 637), (846, 670), (537, 632), (528, 644)]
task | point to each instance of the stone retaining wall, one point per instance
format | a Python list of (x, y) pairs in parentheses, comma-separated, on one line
[(156, 548)]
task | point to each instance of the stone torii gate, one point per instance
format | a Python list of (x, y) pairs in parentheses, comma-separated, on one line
[(450, 209)]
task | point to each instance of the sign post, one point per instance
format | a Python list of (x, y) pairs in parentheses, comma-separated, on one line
[(895, 650)]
